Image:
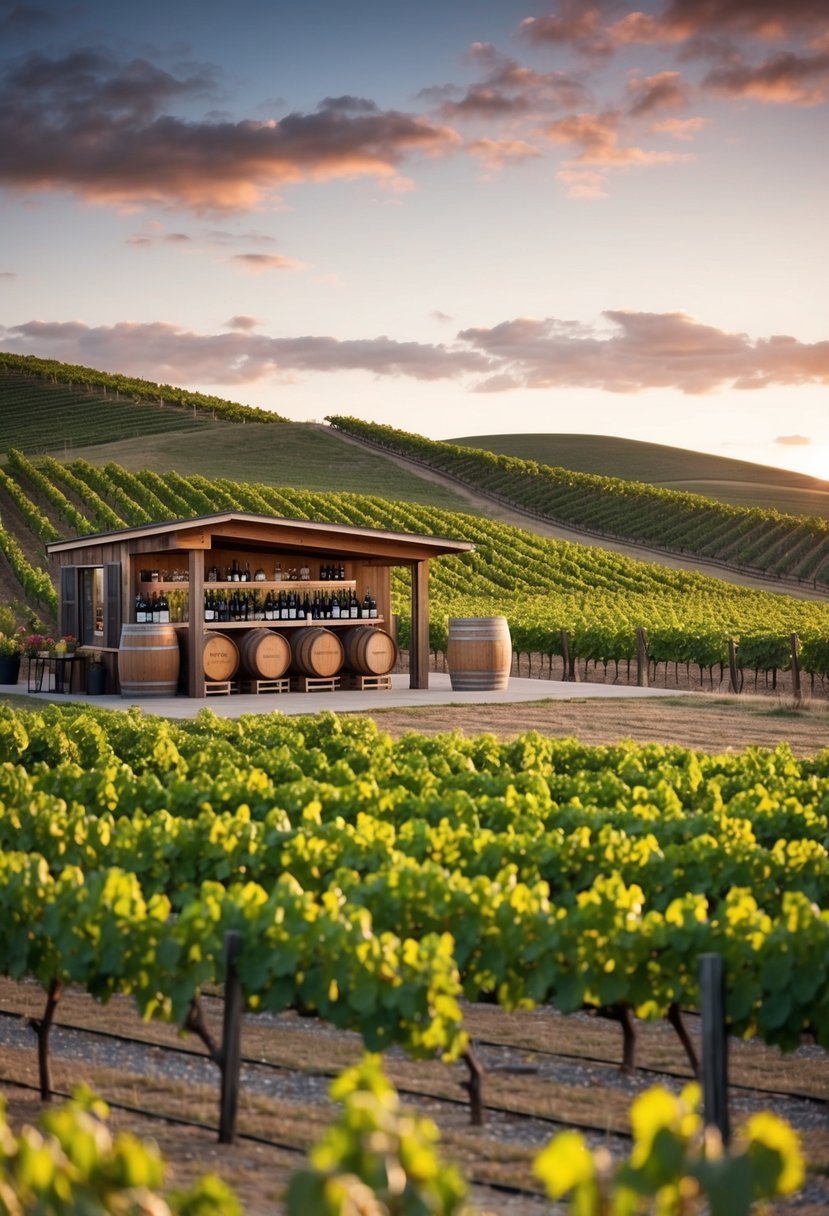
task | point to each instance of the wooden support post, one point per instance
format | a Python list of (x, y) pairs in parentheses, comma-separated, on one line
[(419, 645), (231, 1040), (642, 680), (796, 688), (195, 626), (714, 1044), (736, 684)]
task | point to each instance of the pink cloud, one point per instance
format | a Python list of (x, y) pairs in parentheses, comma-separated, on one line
[(168, 354), (259, 262), (154, 234), (793, 441), (662, 91), (680, 128), (580, 25), (641, 351), (100, 128), (509, 90), (766, 19), (495, 153), (597, 138), (243, 322), (582, 183), (785, 78), (596, 29), (628, 353)]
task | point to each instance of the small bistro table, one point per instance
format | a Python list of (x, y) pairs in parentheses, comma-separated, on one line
[(44, 666)]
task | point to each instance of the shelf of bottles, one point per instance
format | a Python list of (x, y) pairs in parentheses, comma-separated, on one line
[(236, 597), (307, 602)]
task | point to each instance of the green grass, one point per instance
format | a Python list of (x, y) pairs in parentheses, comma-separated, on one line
[(733, 481), (300, 455)]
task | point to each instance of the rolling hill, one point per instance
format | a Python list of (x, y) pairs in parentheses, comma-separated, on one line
[(763, 540), (732, 481)]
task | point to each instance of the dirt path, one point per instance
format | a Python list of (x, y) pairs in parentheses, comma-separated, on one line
[(706, 723), (514, 516)]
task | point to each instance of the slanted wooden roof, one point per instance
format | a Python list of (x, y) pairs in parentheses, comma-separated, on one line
[(228, 529)]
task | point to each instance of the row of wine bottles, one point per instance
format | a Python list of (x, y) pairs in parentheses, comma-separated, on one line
[(288, 606), (157, 608), (236, 573)]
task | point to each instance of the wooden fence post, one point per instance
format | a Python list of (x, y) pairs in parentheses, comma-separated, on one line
[(642, 680), (569, 660), (714, 1044), (231, 1040), (796, 688), (732, 665)]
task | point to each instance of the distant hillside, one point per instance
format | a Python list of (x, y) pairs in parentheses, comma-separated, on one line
[(734, 481), (302, 455), (752, 539), (47, 404)]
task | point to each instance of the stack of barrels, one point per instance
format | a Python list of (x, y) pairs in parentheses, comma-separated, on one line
[(149, 661), (313, 651)]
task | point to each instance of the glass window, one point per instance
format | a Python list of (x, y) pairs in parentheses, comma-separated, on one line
[(92, 606)]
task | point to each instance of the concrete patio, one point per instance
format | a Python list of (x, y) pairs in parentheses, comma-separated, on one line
[(399, 696)]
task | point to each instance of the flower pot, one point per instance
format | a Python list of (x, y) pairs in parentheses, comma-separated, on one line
[(9, 668), (96, 680)]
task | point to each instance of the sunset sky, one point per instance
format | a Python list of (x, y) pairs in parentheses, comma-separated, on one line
[(462, 217)]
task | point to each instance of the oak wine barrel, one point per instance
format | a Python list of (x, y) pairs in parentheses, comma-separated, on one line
[(317, 652), (370, 651), (265, 654), (221, 656), (148, 661), (479, 653)]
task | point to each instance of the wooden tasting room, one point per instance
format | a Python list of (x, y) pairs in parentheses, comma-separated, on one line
[(249, 602)]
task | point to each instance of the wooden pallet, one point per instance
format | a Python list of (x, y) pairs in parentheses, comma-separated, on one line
[(315, 683), (360, 683), (220, 688), (283, 684)]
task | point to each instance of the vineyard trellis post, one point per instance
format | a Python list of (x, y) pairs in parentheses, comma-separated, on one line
[(796, 687), (231, 1039), (641, 657), (736, 684), (570, 672), (714, 1044)]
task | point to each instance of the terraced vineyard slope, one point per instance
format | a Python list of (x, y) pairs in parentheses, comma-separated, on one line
[(46, 404), (723, 478), (770, 542)]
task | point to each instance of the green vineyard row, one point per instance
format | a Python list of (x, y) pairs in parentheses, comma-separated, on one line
[(375, 882), (26, 379), (542, 586), (769, 540)]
